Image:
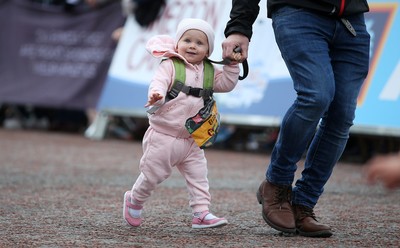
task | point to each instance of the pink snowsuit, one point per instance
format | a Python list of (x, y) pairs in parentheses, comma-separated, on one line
[(167, 143)]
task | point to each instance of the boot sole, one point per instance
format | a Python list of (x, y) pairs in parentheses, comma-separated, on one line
[(282, 229), (319, 234)]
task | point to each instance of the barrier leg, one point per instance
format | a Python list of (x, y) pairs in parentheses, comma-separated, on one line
[(97, 129)]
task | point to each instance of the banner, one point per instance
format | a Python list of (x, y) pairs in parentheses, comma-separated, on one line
[(378, 109), (263, 98), (50, 57)]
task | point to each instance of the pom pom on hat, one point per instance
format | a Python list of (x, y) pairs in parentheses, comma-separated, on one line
[(198, 24)]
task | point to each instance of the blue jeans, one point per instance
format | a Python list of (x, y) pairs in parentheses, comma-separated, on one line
[(328, 65)]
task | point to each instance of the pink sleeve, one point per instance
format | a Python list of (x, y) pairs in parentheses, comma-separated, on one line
[(162, 80), (226, 78)]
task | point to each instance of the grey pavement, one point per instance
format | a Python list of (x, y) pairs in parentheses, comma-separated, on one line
[(63, 190)]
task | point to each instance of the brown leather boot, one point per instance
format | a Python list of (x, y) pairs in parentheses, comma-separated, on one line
[(307, 224), (276, 208)]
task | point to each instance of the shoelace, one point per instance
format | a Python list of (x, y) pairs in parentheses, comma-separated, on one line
[(282, 195), (304, 212)]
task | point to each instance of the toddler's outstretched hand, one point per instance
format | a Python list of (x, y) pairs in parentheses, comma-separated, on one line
[(154, 97)]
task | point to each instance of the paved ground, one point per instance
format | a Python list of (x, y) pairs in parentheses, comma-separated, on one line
[(63, 190)]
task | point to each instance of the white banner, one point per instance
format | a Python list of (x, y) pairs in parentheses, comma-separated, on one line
[(265, 95)]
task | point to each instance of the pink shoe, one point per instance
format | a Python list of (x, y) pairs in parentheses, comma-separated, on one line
[(135, 222), (200, 222)]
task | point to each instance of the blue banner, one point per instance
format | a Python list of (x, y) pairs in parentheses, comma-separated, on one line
[(379, 101)]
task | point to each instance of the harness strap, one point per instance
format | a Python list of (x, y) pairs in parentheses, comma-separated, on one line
[(208, 80), (180, 71), (180, 78), (179, 83), (197, 92)]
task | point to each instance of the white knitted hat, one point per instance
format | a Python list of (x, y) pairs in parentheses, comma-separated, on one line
[(199, 24)]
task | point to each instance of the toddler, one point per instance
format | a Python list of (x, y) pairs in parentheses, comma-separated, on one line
[(167, 143)]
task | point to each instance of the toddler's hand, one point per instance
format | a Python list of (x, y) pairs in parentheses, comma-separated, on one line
[(237, 56), (153, 98)]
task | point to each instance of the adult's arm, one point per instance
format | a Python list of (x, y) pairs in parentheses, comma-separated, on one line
[(242, 16)]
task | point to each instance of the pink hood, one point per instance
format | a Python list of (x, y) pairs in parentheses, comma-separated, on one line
[(162, 46)]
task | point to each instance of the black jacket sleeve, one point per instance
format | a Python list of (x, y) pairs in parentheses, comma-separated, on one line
[(243, 15)]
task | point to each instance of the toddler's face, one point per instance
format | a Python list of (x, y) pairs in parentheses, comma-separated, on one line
[(193, 46)]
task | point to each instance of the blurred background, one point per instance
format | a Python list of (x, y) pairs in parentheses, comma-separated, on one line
[(80, 66)]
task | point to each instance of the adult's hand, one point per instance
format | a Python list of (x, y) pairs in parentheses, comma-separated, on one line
[(231, 42)]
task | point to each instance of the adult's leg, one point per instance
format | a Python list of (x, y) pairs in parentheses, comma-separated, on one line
[(350, 62), (303, 39)]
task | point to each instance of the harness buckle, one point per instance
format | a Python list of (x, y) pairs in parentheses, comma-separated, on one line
[(195, 91), (206, 93), (173, 93)]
